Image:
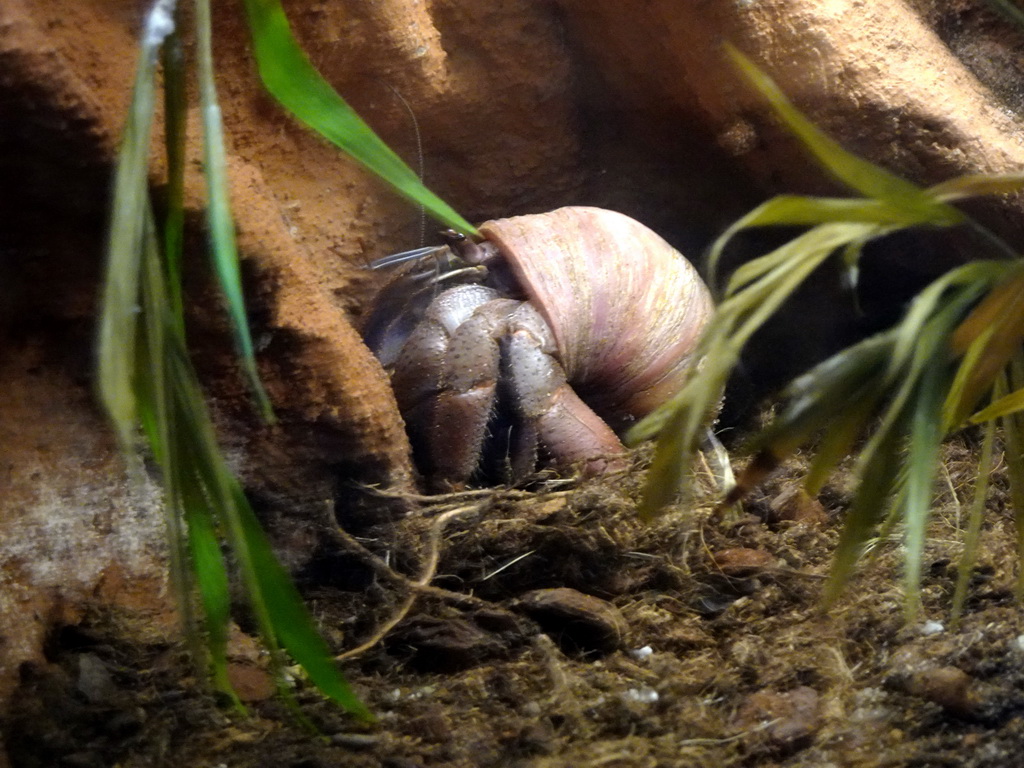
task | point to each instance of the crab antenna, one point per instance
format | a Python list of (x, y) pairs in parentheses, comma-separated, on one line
[(399, 258)]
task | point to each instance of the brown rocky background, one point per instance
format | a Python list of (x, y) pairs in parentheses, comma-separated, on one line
[(509, 108)]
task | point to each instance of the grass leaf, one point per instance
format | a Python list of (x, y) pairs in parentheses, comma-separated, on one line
[(288, 615), (218, 209), (850, 377), (969, 555), (145, 373), (679, 436), (990, 335), (175, 137), (119, 303), (288, 74), (1013, 436), (158, 420), (210, 575), (977, 185), (792, 210), (276, 603), (1004, 406), (876, 473), (821, 241), (860, 175), (920, 465), (926, 373)]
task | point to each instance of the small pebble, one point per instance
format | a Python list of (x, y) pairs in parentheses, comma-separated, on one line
[(641, 654), (871, 706), (579, 623), (949, 687), (530, 709), (432, 726), (787, 718), (932, 628), (251, 683), (355, 740), (642, 695), (741, 561), (794, 505), (94, 680)]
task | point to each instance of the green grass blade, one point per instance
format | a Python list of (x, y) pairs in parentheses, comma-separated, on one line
[(1013, 437), (1004, 406), (793, 210), (200, 484), (804, 254), (977, 185), (288, 74), (969, 281), (796, 210), (120, 301), (276, 603), (157, 415), (159, 404), (864, 177), (912, 366), (211, 575), (922, 342), (957, 406), (970, 553), (175, 135), (992, 333), (291, 621), (822, 240), (679, 422), (876, 473), (145, 373), (837, 396), (842, 433), (151, 384), (813, 397), (759, 287), (679, 435), (920, 371), (218, 211), (922, 457)]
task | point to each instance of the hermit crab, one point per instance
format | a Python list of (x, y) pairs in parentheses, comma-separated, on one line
[(545, 338)]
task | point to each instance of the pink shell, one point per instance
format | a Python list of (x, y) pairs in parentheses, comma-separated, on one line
[(625, 307)]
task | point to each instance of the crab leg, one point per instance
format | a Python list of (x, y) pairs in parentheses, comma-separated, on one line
[(420, 370), (566, 426), (465, 404)]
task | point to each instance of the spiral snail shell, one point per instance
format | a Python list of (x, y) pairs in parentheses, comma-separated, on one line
[(581, 318), (625, 307)]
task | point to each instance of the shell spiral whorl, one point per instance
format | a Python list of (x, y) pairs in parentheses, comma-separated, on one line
[(625, 307)]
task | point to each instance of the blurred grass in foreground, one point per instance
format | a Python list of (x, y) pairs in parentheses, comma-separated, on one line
[(957, 349), (145, 376)]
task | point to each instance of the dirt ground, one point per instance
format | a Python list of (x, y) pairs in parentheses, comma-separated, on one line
[(555, 629)]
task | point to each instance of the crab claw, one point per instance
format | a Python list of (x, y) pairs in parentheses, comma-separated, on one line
[(474, 351)]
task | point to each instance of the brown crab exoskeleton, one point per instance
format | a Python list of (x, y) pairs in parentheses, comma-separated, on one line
[(556, 330)]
